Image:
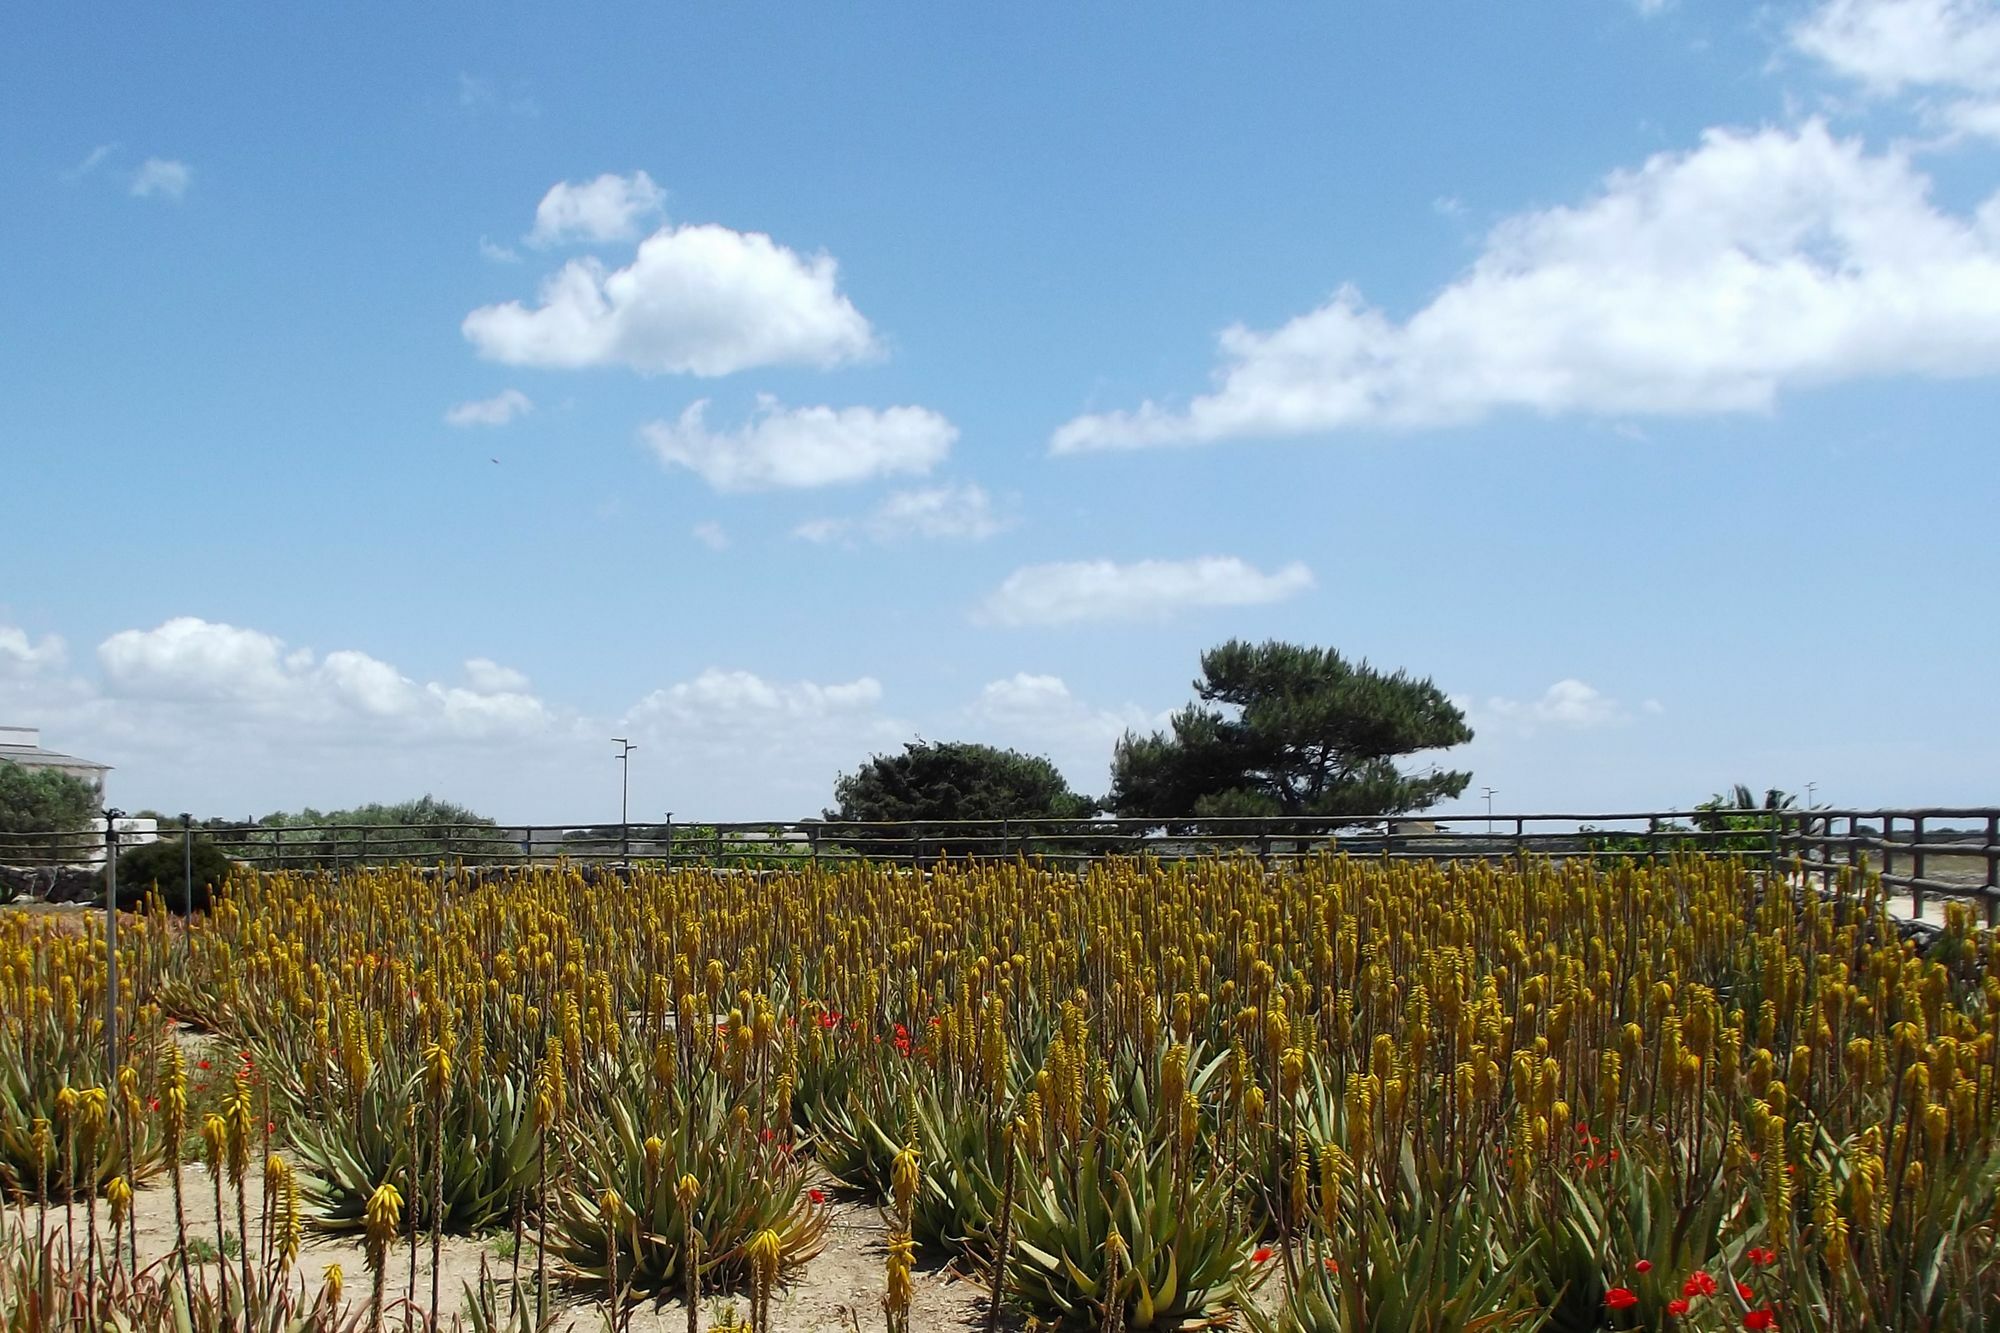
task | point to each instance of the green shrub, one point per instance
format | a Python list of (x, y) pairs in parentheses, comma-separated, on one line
[(161, 868)]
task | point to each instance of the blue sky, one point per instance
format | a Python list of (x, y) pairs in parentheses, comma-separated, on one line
[(412, 399)]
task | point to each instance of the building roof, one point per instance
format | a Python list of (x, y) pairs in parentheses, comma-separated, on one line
[(37, 757), (23, 746)]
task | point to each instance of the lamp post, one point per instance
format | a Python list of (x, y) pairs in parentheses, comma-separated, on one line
[(625, 749), (1489, 810)]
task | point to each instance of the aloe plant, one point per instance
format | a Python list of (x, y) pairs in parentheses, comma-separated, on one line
[(353, 1141), (744, 1185), (1179, 1257)]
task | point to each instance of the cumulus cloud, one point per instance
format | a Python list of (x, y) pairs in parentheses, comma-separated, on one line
[(796, 447), (1703, 282), (1894, 47), (1569, 703), (1067, 592), (960, 513), (609, 208), (246, 674), (225, 719), (717, 697), (695, 300), (23, 656), (161, 178), (488, 677), (498, 410), (1039, 714)]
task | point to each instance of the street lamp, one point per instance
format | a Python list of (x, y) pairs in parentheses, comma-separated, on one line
[(625, 749), (1489, 809), (624, 776)]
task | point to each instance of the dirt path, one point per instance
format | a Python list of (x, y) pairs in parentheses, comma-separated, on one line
[(839, 1291)]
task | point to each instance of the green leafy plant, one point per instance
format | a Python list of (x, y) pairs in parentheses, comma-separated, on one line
[(1178, 1258)]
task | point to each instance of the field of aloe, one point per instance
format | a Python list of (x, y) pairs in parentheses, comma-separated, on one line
[(1333, 1096)]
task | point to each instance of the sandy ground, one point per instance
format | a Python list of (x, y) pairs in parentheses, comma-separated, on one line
[(839, 1291)]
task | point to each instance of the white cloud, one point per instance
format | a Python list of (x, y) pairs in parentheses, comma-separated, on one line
[(496, 253), (498, 410), (803, 446), (1056, 594), (92, 160), (761, 747), (1703, 282), (1569, 703), (161, 177), (1892, 47), (22, 656), (224, 719), (722, 697), (695, 300), (241, 675), (488, 677), (710, 534), (1039, 714), (963, 513), (595, 211)]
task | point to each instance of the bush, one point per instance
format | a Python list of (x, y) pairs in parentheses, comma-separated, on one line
[(161, 867)]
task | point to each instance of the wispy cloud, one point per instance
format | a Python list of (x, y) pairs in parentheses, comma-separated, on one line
[(92, 160), (953, 513), (161, 178), (498, 410), (1102, 590), (799, 447)]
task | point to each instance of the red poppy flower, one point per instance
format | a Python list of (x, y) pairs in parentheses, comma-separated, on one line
[(1621, 1298), (203, 1065), (1762, 1258), (1699, 1283), (153, 1104), (1643, 1266), (1745, 1293), (1760, 1319), (1677, 1307), (816, 1195), (1332, 1265), (1263, 1255)]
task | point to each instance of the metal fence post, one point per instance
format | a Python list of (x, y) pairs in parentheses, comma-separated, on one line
[(187, 871), (670, 840), (1888, 844), (1917, 868), (111, 947), (1993, 872)]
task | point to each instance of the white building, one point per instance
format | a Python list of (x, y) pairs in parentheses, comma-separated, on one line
[(23, 746)]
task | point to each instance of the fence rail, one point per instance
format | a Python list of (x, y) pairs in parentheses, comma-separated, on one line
[(1938, 852)]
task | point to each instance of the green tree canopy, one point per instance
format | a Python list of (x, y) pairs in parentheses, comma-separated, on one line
[(1282, 729), (937, 780), (43, 800), (950, 780)]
